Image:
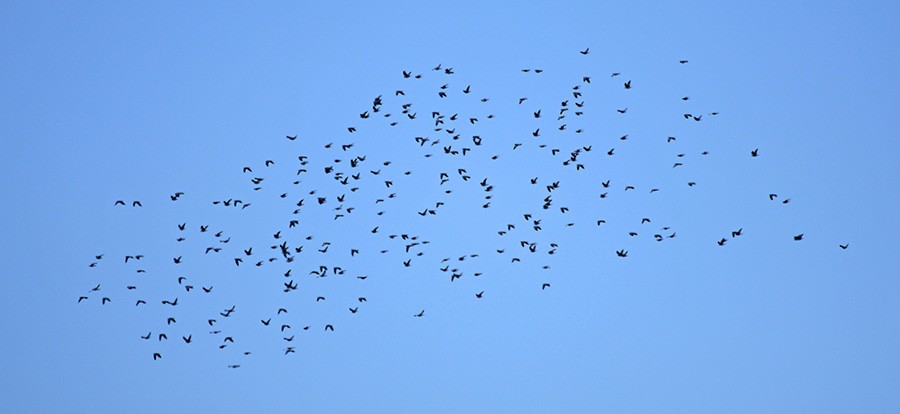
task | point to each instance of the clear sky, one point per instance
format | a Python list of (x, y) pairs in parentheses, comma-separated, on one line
[(128, 101)]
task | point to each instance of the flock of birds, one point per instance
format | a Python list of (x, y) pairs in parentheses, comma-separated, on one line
[(358, 187)]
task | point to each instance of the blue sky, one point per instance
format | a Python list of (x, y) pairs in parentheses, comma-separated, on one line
[(110, 101)]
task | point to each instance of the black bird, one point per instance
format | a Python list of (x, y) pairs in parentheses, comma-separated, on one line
[(544, 286), (844, 246), (419, 315), (798, 237), (628, 84), (585, 51), (754, 152)]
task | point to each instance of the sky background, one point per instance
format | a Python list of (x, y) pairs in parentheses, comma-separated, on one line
[(117, 100)]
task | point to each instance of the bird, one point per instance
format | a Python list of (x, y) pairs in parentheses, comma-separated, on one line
[(327, 174), (798, 237)]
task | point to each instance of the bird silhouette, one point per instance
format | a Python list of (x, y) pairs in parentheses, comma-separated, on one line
[(417, 166)]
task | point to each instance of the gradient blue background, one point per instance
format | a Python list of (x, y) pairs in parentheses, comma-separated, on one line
[(114, 100)]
